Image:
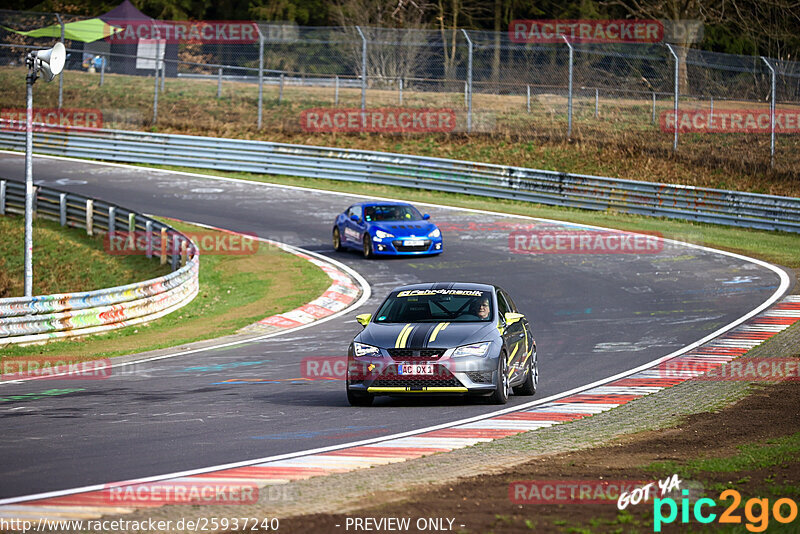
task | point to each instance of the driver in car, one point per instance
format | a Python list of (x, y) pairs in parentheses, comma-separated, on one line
[(480, 308)]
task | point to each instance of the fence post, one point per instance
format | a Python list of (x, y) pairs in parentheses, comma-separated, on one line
[(363, 77), (155, 88), (184, 252), (569, 95), (175, 251), (676, 96), (164, 69), (163, 245), (219, 83), (2, 197), (469, 81), (148, 238), (89, 217), (336, 92), (112, 222), (280, 90), (102, 69), (260, 75), (771, 113), (61, 74), (131, 231), (62, 209), (711, 115), (653, 119), (596, 102), (529, 98), (400, 95)]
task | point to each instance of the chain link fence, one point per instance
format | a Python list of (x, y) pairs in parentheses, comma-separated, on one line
[(624, 95)]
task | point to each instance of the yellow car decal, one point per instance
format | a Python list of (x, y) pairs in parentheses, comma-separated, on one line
[(439, 328)]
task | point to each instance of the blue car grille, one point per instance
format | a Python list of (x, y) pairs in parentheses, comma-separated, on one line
[(400, 247)]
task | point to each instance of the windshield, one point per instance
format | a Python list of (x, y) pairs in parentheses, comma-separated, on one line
[(436, 305), (391, 213)]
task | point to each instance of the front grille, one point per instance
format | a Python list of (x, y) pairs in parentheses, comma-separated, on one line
[(400, 247), (442, 378), (479, 377), (416, 354), (417, 383)]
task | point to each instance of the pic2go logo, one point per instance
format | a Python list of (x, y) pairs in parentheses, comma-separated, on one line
[(757, 521)]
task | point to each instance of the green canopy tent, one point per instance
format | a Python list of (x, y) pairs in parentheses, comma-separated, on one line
[(86, 31)]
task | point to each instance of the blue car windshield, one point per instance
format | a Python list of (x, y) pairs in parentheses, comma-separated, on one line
[(436, 305), (391, 213)]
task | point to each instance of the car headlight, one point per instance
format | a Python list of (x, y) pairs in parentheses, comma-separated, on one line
[(361, 349), (436, 233), (382, 235), (476, 349)]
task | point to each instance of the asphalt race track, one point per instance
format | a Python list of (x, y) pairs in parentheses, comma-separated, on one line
[(593, 315)]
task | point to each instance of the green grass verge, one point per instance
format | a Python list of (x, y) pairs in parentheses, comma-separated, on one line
[(751, 456), (234, 291), (65, 260), (777, 247)]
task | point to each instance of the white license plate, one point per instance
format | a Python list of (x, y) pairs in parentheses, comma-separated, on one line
[(413, 242), (415, 369)]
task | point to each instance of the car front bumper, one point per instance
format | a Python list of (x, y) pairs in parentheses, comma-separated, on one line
[(397, 247), (469, 375)]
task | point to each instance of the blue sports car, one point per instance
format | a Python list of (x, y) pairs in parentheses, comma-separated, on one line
[(386, 229)]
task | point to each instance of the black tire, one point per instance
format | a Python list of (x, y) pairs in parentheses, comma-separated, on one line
[(367, 249), (528, 387), (337, 241), (357, 398), (501, 388)]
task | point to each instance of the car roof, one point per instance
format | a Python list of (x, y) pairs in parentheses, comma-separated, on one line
[(382, 203), (448, 285)]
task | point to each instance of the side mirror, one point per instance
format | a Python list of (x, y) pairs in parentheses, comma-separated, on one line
[(354, 218), (512, 318), (364, 318), (426, 217)]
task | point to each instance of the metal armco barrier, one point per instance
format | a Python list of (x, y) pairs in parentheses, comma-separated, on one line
[(35, 319), (717, 206)]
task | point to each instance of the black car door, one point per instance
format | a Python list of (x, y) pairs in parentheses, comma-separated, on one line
[(514, 334)]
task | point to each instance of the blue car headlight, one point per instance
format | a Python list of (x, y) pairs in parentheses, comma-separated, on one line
[(383, 235), (360, 349), (436, 233), (476, 349)]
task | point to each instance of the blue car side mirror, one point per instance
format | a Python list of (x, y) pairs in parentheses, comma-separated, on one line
[(426, 217), (354, 218)]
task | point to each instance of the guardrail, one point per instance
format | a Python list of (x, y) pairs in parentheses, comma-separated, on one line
[(707, 205), (35, 319)]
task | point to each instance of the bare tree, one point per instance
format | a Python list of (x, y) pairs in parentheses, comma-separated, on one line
[(677, 12), (396, 47)]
